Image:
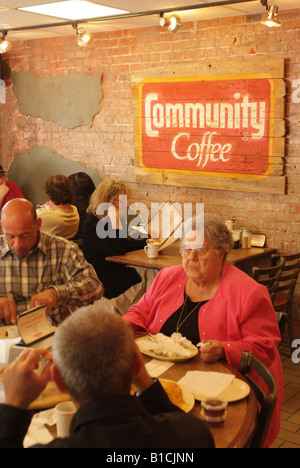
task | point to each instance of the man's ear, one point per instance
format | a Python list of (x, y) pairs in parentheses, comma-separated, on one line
[(138, 362), (57, 379), (38, 223)]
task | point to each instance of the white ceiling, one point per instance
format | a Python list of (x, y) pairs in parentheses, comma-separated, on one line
[(10, 17)]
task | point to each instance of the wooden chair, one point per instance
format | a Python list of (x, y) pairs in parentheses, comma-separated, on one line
[(269, 276), (283, 299), (267, 401)]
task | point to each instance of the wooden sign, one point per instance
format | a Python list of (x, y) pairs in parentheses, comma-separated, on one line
[(222, 130)]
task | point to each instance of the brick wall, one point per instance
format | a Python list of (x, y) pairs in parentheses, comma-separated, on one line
[(108, 145)]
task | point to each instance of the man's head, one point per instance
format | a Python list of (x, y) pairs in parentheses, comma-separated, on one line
[(94, 352), (20, 226)]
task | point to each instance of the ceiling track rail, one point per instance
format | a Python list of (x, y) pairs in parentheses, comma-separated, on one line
[(130, 15)]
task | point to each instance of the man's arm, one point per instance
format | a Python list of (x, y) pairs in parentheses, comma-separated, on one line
[(151, 393), (22, 384), (81, 285)]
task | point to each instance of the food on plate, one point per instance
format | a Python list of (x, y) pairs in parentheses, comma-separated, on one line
[(174, 346), (174, 393)]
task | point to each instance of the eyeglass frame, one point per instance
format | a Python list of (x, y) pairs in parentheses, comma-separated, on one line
[(200, 252)]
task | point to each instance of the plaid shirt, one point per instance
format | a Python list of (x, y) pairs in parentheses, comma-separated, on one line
[(54, 262)]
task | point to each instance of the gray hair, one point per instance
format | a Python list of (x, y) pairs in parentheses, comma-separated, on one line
[(94, 350), (214, 230)]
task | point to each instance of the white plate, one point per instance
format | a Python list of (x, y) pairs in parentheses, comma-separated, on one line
[(237, 390), (166, 358), (187, 396)]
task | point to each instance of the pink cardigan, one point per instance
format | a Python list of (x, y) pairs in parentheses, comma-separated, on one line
[(240, 315)]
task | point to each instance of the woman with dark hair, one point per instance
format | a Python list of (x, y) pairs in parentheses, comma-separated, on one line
[(84, 187), (58, 215)]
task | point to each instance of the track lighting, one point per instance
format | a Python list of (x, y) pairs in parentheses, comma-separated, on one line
[(4, 44), (173, 22), (84, 38), (271, 20)]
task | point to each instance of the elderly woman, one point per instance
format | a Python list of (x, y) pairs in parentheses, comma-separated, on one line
[(209, 300), (104, 233)]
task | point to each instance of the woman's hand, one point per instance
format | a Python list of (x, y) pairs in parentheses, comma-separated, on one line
[(212, 351)]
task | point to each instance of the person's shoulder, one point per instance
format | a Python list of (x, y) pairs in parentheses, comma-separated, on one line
[(48, 239), (170, 275), (176, 271), (11, 184), (234, 277), (90, 220), (194, 433)]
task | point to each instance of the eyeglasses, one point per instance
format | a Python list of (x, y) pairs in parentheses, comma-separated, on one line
[(185, 252)]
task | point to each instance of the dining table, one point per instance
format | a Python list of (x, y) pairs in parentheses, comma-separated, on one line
[(170, 256), (241, 413)]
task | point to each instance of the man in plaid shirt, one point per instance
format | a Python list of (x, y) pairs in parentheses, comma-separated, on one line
[(39, 268)]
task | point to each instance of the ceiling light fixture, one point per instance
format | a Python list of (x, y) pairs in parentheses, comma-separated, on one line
[(73, 9), (271, 19), (128, 15), (84, 38), (4, 44), (173, 22)]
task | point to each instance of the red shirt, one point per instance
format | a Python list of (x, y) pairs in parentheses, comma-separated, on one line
[(14, 192)]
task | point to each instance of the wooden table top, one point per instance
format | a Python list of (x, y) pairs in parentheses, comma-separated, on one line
[(238, 428), (171, 257)]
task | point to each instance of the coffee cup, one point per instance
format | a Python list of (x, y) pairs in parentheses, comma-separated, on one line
[(151, 249), (64, 414)]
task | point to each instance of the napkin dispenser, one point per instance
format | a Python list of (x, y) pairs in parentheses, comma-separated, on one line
[(35, 330)]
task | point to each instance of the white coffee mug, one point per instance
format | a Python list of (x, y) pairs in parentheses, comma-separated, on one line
[(64, 414), (151, 249)]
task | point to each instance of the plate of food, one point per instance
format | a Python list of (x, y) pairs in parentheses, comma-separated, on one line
[(178, 394), (175, 348)]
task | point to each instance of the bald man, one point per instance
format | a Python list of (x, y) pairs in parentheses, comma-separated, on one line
[(38, 268)]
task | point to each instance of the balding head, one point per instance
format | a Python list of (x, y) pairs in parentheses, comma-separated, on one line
[(20, 226), (17, 208)]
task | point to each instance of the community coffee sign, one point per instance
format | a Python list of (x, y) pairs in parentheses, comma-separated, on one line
[(224, 127)]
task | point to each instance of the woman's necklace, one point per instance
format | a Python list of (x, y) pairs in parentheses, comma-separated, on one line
[(179, 324)]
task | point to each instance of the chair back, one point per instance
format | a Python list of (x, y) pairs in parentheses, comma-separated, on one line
[(269, 276), (290, 272), (267, 401)]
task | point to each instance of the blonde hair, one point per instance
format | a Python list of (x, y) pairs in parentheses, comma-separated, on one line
[(106, 192)]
